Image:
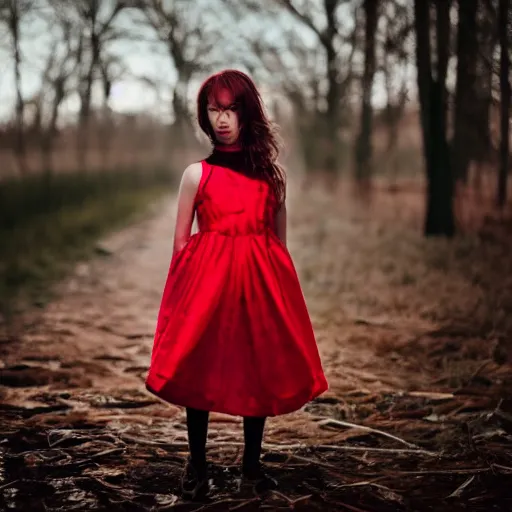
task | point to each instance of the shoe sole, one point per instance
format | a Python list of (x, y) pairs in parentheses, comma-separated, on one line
[(198, 492)]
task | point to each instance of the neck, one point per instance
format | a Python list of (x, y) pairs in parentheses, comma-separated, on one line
[(232, 156), (228, 147)]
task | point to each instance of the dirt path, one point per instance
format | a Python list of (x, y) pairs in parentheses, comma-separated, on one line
[(81, 430)]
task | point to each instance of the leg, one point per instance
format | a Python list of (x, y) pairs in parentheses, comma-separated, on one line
[(194, 480), (251, 467), (253, 437), (197, 426)]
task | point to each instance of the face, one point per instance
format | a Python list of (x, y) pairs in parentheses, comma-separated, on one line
[(223, 116)]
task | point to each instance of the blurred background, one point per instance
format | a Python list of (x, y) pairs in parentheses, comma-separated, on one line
[(395, 118), (97, 107)]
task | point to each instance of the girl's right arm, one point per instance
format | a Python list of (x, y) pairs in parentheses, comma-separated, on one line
[(185, 210)]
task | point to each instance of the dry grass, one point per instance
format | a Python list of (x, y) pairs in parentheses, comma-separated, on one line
[(47, 226)]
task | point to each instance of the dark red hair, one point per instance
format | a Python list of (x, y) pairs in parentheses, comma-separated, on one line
[(257, 135)]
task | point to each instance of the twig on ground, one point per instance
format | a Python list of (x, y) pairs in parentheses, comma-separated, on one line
[(8, 484), (458, 491), (327, 421)]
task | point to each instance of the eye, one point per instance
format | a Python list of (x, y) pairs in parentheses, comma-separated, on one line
[(212, 109)]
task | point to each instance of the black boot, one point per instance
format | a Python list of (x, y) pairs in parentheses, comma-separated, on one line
[(194, 481), (252, 470), (258, 478)]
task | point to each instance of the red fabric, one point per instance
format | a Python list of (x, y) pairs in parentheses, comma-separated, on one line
[(233, 333)]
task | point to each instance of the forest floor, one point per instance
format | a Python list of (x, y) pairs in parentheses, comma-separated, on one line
[(413, 336)]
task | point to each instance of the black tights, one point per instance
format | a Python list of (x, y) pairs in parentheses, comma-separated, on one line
[(197, 426)]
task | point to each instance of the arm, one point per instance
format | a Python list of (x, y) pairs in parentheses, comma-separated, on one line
[(185, 210), (281, 221)]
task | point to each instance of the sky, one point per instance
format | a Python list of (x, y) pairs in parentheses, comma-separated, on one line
[(142, 61)]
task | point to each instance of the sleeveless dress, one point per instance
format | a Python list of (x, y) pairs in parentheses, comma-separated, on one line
[(233, 333)]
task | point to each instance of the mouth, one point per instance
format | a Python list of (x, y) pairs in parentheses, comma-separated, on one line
[(223, 132)]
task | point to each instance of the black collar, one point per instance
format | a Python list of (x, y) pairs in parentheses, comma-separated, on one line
[(236, 160)]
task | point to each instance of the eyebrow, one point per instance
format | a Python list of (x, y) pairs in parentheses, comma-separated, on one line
[(234, 104)]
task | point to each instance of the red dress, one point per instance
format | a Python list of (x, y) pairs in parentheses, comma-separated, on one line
[(233, 333)]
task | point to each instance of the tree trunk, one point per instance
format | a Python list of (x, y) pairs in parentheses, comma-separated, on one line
[(393, 113), (330, 127), (332, 117), (182, 130), (433, 101), (20, 149), (85, 95), (503, 14), (333, 91), (364, 142), (182, 125), (106, 130), (465, 98), (48, 135), (486, 43)]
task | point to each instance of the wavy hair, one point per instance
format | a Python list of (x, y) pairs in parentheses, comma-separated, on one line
[(258, 135)]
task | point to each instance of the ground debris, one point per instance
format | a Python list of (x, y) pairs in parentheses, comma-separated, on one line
[(418, 415)]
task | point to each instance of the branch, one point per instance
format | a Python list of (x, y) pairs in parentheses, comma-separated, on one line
[(106, 25), (306, 20)]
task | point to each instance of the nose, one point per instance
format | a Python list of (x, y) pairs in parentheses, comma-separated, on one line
[(223, 118)]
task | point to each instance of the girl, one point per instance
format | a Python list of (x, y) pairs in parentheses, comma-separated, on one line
[(233, 333)]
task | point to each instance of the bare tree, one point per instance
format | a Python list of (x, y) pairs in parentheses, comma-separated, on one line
[(328, 38), (466, 97), (363, 158), (60, 68), (189, 40), (433, 106), (396, 56), (476, 42), (12, 13), (487, 39), (105, 130), (504, 15), (94, 21), (299, 76)]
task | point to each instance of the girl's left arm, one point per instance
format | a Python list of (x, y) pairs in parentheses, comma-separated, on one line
[(281, 219)]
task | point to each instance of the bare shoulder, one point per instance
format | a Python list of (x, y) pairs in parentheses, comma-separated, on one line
[(192, 175)]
